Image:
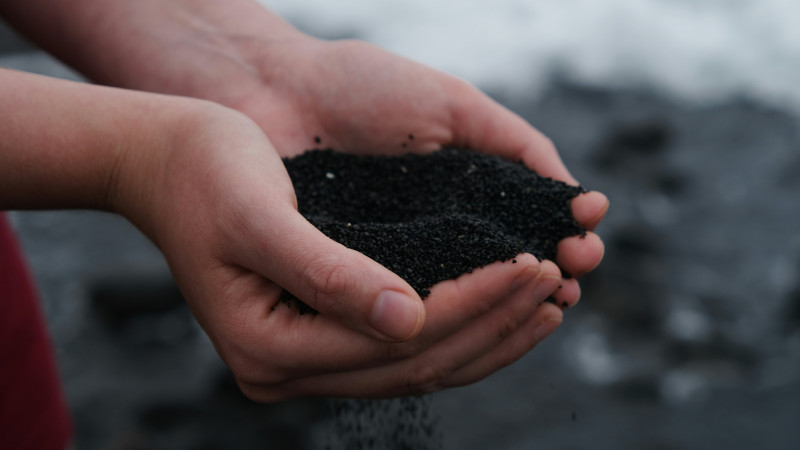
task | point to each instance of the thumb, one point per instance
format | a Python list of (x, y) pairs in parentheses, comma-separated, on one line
[(340, 283), (487, 125)]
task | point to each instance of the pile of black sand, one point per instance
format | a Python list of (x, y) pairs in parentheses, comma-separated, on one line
[(433, 217)]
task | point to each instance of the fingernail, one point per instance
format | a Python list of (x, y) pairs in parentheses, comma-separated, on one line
[(396, 315)]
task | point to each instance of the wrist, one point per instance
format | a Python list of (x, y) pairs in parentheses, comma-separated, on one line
[(182, 47), (195, 48), (67, 141), (190, 152), (161, 143)]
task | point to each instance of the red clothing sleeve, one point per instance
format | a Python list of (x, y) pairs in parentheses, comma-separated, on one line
[(33, 413)]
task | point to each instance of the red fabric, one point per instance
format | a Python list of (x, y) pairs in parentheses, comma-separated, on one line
[(33, 413)]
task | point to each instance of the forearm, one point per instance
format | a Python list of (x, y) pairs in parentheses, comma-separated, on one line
[(64, 143), (182, 47)]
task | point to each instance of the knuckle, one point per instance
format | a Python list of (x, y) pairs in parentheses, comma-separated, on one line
[(330, 278), (484, 306), (506, 328)]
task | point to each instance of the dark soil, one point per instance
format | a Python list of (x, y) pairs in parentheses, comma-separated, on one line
[(433, 217)]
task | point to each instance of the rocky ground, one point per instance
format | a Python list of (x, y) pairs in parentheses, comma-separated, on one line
[(687, 336)]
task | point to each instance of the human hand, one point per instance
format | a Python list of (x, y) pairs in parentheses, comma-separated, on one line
[(220, 207), (217, 201), (354, 97), (204, 183)]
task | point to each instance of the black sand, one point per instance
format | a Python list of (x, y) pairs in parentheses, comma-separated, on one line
[(433, 217)]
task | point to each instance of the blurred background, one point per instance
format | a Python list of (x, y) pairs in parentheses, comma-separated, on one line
[(684, 112)]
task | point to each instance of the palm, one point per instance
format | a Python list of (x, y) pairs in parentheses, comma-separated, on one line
[(357, 98)]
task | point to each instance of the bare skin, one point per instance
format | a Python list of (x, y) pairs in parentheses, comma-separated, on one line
[(205, 183)]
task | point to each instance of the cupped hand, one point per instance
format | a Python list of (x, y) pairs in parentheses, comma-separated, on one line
[(217, 201), (355, 97)]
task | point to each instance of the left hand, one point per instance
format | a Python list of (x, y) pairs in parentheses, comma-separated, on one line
[(355, 97)]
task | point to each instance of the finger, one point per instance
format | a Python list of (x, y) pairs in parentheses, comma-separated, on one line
[(328, 347), (451, 306), (454, 304), (483, 124), (578, 255), (567, 295), (425, 373), (546, 319), (339, 283), (589, 209), (265, 341)]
